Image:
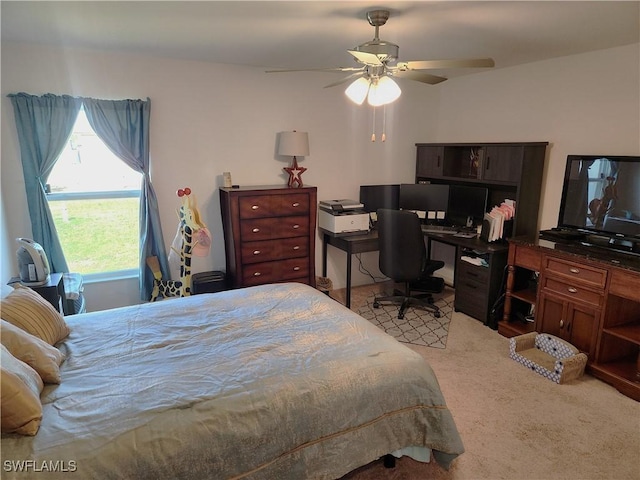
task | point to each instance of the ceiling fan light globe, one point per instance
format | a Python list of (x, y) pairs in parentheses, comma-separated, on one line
[(383, 91), (357, 91)]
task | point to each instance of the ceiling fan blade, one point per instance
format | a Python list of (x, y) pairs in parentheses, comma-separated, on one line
[(336, 69), (366, 58), (442, 64), (353, 76), (419, 76)]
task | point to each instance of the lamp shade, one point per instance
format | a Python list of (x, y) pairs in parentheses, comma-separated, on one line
[(293, 144), (358, 90), (383, 91)]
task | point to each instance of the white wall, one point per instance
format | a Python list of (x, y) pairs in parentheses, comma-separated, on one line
[(208, 118), (581, 104)]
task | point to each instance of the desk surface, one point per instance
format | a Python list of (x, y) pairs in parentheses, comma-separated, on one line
[(368, 242)]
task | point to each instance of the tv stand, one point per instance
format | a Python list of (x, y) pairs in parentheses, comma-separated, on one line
[(613, 245), (587, 296)]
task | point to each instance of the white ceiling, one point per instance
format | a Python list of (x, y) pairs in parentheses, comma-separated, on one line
[(311, 34)]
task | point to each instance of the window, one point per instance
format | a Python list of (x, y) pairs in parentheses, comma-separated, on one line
[(94, 198)]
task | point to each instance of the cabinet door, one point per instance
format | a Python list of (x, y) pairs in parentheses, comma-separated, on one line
[(429, 162), (574, 322), (503, 163)]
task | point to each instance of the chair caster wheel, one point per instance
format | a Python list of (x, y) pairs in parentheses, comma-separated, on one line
[(430, 300), (437, 314), (400, 317), (376, 305)]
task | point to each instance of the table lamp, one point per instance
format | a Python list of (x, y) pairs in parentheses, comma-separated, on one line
[(294, 144)]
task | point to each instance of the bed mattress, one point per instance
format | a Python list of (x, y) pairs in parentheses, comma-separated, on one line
[(269, 382)]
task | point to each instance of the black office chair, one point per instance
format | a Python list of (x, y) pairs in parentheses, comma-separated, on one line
[(403, 258)]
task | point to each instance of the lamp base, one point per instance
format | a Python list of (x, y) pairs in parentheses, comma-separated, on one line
[(295, 174)]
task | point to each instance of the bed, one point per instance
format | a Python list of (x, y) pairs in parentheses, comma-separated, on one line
[(269, 382)]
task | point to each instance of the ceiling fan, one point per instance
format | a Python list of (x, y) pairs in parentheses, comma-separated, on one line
[(378, 60)]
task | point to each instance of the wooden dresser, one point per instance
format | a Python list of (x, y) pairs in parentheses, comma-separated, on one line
[(585, 296), (269, 234)]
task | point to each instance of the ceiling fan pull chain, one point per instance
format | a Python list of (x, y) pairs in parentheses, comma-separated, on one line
[(384, 123), (373, 133)]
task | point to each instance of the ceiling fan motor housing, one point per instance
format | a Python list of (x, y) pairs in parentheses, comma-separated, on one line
[(385, 51)]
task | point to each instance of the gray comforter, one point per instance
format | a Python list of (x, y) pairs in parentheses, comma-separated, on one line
[(270, 382)]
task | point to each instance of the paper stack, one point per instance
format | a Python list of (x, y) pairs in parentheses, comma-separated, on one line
[(493, 226)]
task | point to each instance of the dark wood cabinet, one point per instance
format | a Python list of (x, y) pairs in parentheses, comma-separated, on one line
[(587, 297), (503, 163), (478, 286), (508, 170), (53, 291), (430, 161), (269, 234)]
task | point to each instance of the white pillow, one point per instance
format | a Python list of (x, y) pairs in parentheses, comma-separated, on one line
[(20, 387), (36, 353), (26, 309)]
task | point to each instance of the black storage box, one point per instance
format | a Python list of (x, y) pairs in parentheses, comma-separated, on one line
[(208, 282)]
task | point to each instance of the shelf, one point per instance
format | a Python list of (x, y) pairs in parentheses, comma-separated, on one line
[(526, 295), (630, 333), (513, 329), (622, 374)]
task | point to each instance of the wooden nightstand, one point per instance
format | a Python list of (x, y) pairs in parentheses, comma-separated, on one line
[(52, 291)]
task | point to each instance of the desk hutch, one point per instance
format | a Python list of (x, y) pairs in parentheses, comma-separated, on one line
[(509, 171)]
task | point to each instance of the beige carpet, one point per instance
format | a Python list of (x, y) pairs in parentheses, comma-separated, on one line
[(516, 424)]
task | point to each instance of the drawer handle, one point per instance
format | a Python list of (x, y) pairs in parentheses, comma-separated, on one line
[(572, 290), (255, 230), (561, 323), (255, 207), (295, 269), (257, 274), (295, 204), (257, 252), (574, 270), (296, 226), (297, 247)]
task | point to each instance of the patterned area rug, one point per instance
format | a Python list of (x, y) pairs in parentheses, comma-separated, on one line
[(418, 327)]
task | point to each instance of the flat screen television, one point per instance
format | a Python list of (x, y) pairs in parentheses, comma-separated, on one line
[(467, 205), (601, 197)]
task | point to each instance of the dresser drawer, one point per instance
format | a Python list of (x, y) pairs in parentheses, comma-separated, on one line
[(579, 274), (473, 305), (276, 271), (467, 271), (267, 250), (573, 290), (268, 229), (263, 206), (625, 283)]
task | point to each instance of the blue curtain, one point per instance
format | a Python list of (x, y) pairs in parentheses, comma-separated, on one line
[(44, 125), (123, 125)]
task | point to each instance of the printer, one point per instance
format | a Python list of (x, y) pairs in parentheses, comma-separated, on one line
[(343, 217)]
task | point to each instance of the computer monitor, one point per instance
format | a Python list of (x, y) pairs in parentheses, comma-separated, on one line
[(429, 200), (374, 197), (467, 205)]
